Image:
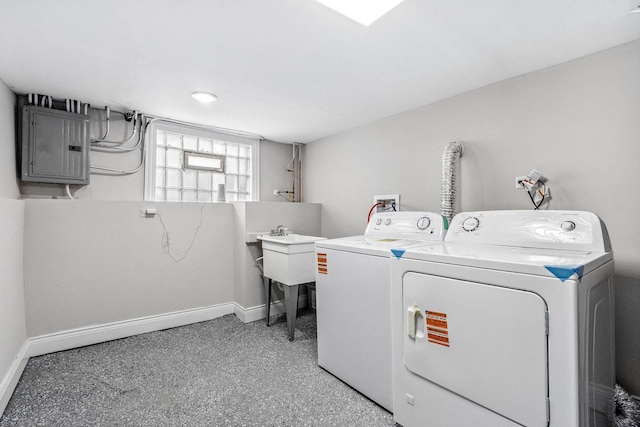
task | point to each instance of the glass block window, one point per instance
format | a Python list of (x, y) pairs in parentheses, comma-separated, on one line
[(187, 164)]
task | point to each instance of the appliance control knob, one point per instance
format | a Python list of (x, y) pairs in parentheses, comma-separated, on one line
[(387, 221), (470, 224), (423, 223), (568, 225), (378, 221)]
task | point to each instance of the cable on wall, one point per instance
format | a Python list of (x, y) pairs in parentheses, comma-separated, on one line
[(69, 192), (143, 136), (144, 123), (371, 210), (169, 248), (536, 188), (128, 117), (140, 127), (104, 147), (225, 131)]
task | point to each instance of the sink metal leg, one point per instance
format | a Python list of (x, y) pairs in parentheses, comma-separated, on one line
[(268, 299), (291, 303)]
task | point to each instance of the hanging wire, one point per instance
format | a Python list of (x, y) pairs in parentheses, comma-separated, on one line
[(542, 190), (169, 248), (371, 210), (69, 192)]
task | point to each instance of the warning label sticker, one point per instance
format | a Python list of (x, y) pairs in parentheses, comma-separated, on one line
[(437, 328), (322, 263)]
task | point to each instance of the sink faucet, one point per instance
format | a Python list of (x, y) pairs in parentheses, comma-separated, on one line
[(279, 230)]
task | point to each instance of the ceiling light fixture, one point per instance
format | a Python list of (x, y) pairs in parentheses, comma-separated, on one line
[(636, 10), (362, 11), (204, 96)]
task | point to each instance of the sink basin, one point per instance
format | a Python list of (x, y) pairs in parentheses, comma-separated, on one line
[(289, 259), (290, 239)]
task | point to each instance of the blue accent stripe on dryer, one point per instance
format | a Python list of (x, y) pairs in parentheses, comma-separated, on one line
[(398, 252), (563, 272)]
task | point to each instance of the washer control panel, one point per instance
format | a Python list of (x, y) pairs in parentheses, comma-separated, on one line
[(423, 222), (427, 226), (577, 230), (470, 223)]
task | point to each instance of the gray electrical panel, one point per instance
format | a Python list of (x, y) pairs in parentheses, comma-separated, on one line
[(55, 146)]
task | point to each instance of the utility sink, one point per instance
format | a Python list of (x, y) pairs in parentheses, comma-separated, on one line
[(289, 259)]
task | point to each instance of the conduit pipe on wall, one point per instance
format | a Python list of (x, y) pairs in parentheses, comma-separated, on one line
[(45, 101), (294, 167), (448, 187), (128, 117)]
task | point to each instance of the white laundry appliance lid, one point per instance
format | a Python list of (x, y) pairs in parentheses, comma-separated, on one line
[(561, 244), (389, 230), (381, 245), (565, 230), (540, 262)]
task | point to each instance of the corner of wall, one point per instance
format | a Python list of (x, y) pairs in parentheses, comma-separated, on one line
[(11, 378), (9, 187)]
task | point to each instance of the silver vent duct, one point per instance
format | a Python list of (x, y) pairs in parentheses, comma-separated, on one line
[(448, 187)]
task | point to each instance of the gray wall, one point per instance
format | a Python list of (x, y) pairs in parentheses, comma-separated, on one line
[(578, 123), (93, 262), (12, 311)]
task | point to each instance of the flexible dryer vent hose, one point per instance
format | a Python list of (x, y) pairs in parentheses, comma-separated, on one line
[(448, 188)]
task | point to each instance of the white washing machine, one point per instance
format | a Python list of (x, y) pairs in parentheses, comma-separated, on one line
[(353, 299), (510, 322)]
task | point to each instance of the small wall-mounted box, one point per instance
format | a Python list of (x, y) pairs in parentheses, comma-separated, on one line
[(54, 146)]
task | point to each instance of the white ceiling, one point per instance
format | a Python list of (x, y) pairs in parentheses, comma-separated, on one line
[(291, 70)]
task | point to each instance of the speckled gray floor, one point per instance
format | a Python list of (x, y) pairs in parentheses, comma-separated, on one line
[(216, 373)]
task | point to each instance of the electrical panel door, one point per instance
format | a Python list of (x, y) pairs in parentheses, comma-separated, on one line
[(55, 146)]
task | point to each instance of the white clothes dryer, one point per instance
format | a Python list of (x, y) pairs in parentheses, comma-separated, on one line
[(353, 299), (510, 322)]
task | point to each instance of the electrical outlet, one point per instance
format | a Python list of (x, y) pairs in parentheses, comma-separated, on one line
[(519, 180), (148, 212), (389, 203)]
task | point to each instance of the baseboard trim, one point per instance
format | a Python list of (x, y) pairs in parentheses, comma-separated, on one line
[(89, 335), (10, 380), (259, 312)]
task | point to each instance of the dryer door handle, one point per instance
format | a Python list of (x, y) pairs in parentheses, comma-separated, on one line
[(413, 313)]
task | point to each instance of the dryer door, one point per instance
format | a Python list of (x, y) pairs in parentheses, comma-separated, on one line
[(485, 343)]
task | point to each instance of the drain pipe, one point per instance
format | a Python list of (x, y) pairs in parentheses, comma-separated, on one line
[(448, 187)]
